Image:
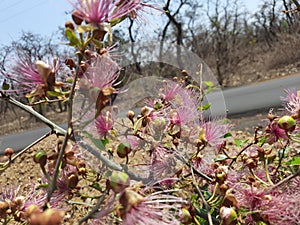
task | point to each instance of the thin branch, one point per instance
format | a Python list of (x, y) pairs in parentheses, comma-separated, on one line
[(285, 180), (68, 135), (57, 129), (94, 210)]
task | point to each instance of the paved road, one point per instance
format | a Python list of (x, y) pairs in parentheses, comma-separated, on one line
[(236, 100), (263, 95)]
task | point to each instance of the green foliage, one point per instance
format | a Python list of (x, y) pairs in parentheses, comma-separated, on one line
[(240, 143), (99, 143), (220, 157), (74, 41), (294, 162)]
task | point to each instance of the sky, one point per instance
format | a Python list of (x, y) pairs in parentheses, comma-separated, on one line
[(44, 17)]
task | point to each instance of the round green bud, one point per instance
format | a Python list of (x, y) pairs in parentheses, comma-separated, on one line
[(228, 215), (123, 150), (118, 181), (41, 158), (287, 123)]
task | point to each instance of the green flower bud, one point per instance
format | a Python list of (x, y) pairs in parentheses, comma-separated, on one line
[(287, 123), (228, 215), (118, 181), (41, 158), (123, 150)]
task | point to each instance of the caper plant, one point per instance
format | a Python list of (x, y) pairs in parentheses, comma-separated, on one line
[(165, 163)]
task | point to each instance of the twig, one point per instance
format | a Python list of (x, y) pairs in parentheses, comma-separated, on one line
[(181, 158), (57, 129), (285, 180), (94, 210), (281, 156), (207, 207), (68, 135), (110, 164)]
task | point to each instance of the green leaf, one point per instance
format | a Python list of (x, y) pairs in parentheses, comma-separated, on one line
[(206, 106), (262, 141), (220, 157), (74, 41), (99, 143), (209, 83), (240, 143), (42, 186), (295, 161), (97, 186), (137, 125), (208, 90), (99, 44), (228, 135)]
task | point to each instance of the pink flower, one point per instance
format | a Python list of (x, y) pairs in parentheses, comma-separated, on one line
[(170, 90), (99, 12), (104, 123), (156, 208), (102, 73), (26, 73), (201, 164), (37, 78), (292, 101), (162, 163), (274, 133), (180, 104), (215, 131)]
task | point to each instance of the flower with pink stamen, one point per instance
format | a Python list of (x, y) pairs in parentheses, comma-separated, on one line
[(98, 12)]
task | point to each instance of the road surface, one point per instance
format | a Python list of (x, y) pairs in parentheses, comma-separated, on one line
[(238, 100)]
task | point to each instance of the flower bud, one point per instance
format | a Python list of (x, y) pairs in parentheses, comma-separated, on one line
[(251, 163), (146, 121), (99, 34), (70, 63), (221, 174), (82, 169), (8, 152), (72, 181), (159, 124), (123, 150), (4, 206), (69, 25), (77, 18), (130, 115), (43, 69), (48, 217), (145, 111), (287, 123), (228, 215), (118, 181), (40, 158), (32, 209)]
